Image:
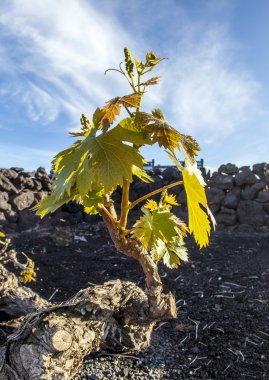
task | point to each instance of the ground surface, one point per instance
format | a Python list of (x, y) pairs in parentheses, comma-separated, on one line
[(222, 331)]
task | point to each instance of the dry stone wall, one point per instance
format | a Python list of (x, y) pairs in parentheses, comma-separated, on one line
[(238, 197)]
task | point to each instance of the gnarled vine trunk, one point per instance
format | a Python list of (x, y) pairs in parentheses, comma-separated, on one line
[(49, 340)]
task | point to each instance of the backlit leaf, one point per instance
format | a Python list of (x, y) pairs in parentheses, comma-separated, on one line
[(156, 225), (93, 199), (141, 174), (50, 204), (127, 131), (151, 205), (151, 81), (161, 131), (170, 199), (172, 253), (158, 250), (175, 253), (112, 160), (112, 108), (199, 223)]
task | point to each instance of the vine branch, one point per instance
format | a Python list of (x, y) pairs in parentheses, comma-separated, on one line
[(133, 204)]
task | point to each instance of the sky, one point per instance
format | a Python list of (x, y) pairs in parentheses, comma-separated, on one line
[(214, 86)]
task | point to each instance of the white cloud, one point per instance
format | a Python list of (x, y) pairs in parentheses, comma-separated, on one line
[(211, 95), (64, 48), (28, 158), (54, 54)]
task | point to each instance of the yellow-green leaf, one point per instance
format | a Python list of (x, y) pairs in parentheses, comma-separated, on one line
[(112, 160), (112, 108), (93, 199), (199, 223), (126, 130), (50, 204), (175, 253), (151, 205), (159, 224), (158, 127), (142, 174)]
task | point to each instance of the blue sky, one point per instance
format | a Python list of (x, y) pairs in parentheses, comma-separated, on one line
[(215, 84)]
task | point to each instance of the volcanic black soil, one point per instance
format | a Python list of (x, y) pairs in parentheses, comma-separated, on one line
[(222, 330)]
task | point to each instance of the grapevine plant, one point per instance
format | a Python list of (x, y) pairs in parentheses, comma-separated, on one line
[(107, 154), (9, 255)]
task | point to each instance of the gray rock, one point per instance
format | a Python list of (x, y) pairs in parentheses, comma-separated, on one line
[(244, 168), (245, 177), (3, 196), (6, 184), (37, 185), (156, 184), (28, 174), (2, 219), (231, 199), (250, 192), (229, 168), (263, 196), (214, 208), (9, 173), (226, 216), (182, 197), (222, 181), (171, 174), (17, 169), (41, 174), (214, 195), (266, 179), (47, 185), (141, 188), (260, 169), (24, 200), (251, 212), (4, 205), (11, 215)]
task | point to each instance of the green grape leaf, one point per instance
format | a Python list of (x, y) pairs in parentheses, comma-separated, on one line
[(172, 253), (170, 199), (112, 160), (189, 147), (156, 225), (141, 174), (151, 204), (158, 250), (112, 108), (97, 117), (152, 60), (199, 223), (66, 166), (127, 131), (50, 204), (93, 199), (139, 65), (151, 81), (161, 131), (177, 246), (175, 253)]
